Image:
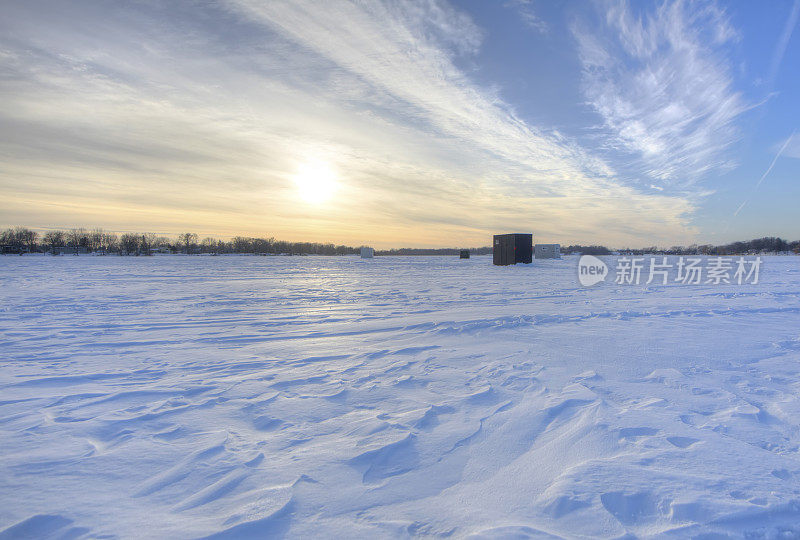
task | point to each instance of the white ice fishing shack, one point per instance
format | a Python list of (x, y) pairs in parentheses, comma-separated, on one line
[(547, 251)]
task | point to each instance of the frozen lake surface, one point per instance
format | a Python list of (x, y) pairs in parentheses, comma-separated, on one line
[(258, 397)]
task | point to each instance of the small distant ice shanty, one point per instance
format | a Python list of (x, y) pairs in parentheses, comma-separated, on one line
[(463, 254), (367, 252), (512, 249), (547, 251)]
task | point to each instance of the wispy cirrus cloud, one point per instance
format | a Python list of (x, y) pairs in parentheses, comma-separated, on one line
[(661, 82), (411, 65), (168, 117), (400, 52), (527, 12)]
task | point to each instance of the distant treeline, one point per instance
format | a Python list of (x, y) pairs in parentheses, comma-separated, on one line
[(770, 244), (439, 251), (586, 250), (75, 241)]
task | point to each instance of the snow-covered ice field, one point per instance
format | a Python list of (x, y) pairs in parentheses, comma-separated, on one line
[(179, 397)]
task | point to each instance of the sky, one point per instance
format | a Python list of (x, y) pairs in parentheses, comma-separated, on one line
[(417, 123)]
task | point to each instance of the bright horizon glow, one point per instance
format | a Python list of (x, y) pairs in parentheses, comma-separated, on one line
[(316, 182)]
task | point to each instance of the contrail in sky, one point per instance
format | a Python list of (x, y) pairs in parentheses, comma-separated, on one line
[(783, 42), (777, 59), (785, 144)]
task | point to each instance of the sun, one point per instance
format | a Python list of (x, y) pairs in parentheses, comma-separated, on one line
[(316, 182)]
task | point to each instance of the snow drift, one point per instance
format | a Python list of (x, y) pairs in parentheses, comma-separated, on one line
[(242, 397)]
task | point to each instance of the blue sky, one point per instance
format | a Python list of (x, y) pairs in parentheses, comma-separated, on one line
[(424, 123)]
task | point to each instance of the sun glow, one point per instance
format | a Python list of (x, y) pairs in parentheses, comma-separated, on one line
[(316, 182)]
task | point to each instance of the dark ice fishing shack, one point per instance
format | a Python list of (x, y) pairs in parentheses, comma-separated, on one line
[(512, 249)]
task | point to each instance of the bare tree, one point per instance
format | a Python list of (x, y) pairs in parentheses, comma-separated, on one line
[(109, 242), (208, 245), (78, 238), (147, 243), (95, 239), (129, 243), (28, 238), (19, 239), (163, 242), (188, 241), (54, 239), (242, 245)]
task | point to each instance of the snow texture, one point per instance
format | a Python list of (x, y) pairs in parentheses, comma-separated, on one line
[(238, 397)]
